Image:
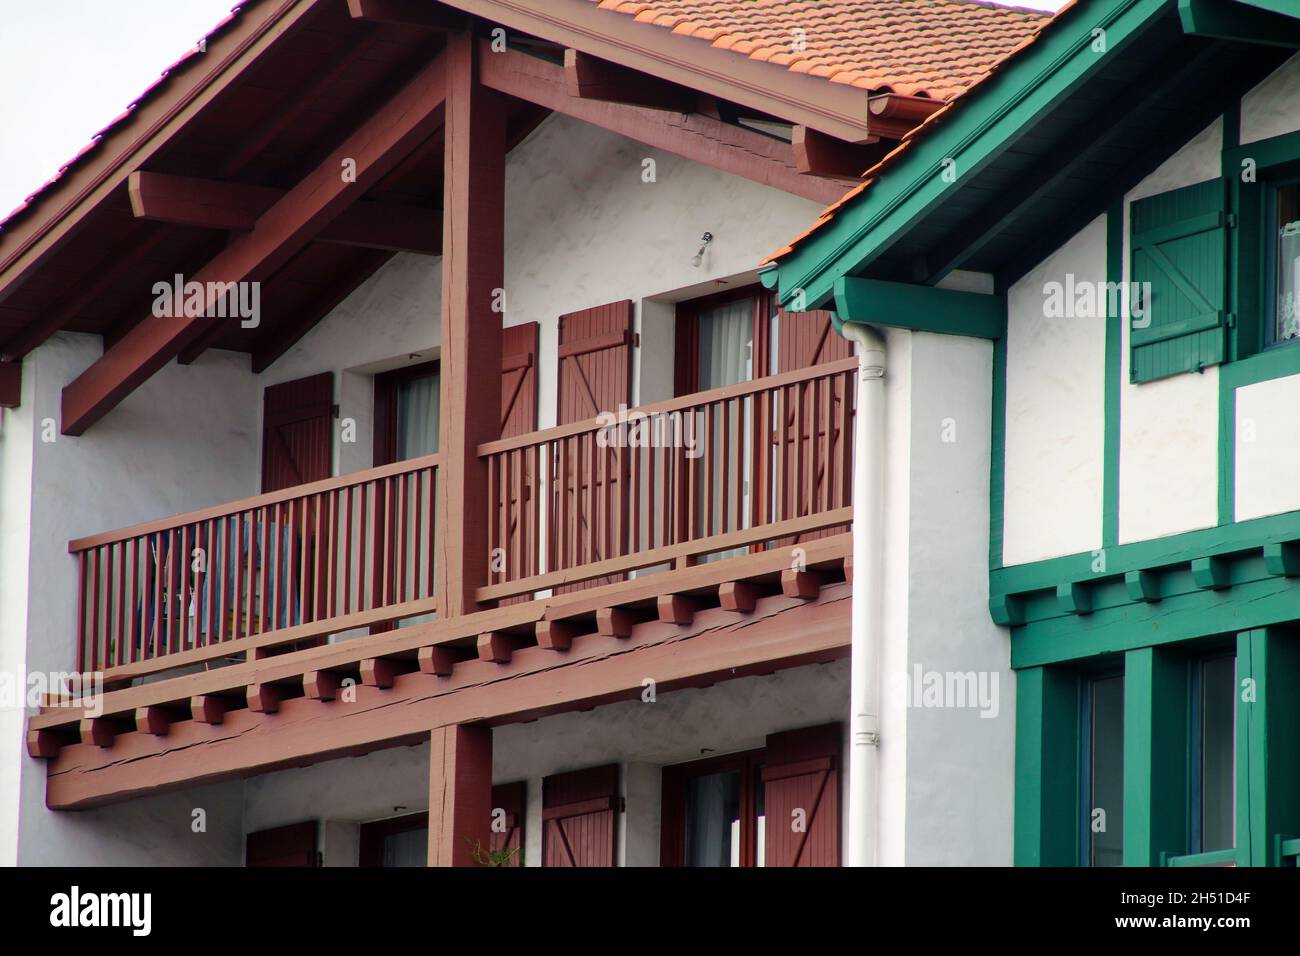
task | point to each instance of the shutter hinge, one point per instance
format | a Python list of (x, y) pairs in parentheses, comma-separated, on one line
[(334, 411), (1230, 320), (1232, 220), (622, 804)]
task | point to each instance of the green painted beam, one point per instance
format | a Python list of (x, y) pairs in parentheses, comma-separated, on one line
[(1025, 89), (1230, 20), (1155, 755), (1047, 767), (921, 308)]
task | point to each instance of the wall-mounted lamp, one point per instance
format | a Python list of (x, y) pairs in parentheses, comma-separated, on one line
[(704, 244)]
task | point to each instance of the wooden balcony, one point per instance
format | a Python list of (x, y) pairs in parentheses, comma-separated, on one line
[(753, 468)]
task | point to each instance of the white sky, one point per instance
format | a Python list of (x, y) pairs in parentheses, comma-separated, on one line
[(67, 67)]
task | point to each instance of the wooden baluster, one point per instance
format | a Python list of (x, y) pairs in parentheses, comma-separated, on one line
[(83, 630)]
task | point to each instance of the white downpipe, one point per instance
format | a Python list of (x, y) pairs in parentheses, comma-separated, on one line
[(868, 589)]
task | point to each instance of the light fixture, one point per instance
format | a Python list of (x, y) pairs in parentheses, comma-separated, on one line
[(704, 244)]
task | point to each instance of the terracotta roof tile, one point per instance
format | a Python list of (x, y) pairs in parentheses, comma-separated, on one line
[(935, 48), (930, 123)]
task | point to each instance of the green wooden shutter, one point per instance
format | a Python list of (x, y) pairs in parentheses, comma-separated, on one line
[(1179, 245)]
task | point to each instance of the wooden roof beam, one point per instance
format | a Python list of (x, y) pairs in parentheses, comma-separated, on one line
[(816, 154), (210, 204), (421, 14), (591, 78), (397, 127), (699, 138)]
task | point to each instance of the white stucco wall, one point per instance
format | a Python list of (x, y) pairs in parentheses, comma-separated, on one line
[(1267, 448), (1270, 109), (1055, 411)]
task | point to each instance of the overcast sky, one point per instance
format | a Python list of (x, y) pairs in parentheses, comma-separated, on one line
[(67, 67)]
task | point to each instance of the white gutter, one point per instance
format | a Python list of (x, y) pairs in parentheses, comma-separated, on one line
[(868, 574)]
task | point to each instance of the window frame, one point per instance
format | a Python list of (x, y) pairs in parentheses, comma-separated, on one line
[(371, 836), (672, 834), (1279, 178), (1086, 677), (1196, 748), (385, 407), (686, 364)]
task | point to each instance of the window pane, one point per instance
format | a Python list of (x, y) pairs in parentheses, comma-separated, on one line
[(1106, 765), (410, 848), (1218, 740), (713, 820), (1288, 263), (417, 417)]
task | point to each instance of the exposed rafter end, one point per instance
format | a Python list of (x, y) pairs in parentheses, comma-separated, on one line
[(816, 154), (590, 78), (1221, 20), (409, 13)]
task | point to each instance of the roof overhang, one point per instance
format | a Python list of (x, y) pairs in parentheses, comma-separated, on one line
[(1034, 153)]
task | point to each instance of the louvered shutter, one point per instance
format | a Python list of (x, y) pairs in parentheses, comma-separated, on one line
[(578, 817), (294, 845), (808, 339), (1179, 244), (801, 795), (595, 376), (297, 432), (512, 799)]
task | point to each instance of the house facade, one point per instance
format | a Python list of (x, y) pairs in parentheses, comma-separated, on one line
[(1126, 184), (399, 437)]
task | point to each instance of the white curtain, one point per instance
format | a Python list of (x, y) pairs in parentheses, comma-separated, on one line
[(727, 345), (1288, 282), (727, 358), (417, 417)]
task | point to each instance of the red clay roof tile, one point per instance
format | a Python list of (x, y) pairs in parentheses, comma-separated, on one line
[(934, 48)]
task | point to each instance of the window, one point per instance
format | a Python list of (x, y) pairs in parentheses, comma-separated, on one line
[(724, 339), (1213, 753), (396, 842), (717, 808), (1103, 770), (406, 413), (1286, 257)]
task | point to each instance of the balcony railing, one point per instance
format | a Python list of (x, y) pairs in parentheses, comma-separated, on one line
[(331, 549), (738, 468)]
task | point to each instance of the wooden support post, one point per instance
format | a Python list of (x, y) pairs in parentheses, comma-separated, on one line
[(1155, 755), (473, 281), (460, 794), (615, 621), (739, 596)]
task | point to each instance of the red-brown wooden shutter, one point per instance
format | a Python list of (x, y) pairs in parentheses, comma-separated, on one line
[(512, 798), (808, 339), (294, 845), (801, 784), (519, 380), (518, 417), (595, 376), (297, 432), (578, 817)]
